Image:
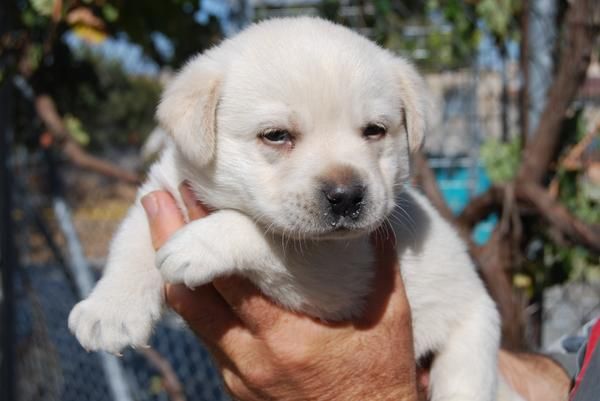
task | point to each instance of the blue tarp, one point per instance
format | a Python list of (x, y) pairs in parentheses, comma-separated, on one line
[(458, 186)]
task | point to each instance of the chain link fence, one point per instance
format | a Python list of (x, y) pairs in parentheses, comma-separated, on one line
[(51, 365)]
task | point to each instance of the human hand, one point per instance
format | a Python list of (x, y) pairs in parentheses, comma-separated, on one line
[(266, 352), (534, 377)]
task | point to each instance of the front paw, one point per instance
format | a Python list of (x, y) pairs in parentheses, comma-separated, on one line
[(110, 323), (188, 258)]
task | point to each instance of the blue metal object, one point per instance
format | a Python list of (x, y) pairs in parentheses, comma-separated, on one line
[(458, 185)]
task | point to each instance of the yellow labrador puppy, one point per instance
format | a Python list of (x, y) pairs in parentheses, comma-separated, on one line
[(299, 132)]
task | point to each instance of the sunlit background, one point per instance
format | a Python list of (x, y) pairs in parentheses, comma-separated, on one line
[(80, 81)]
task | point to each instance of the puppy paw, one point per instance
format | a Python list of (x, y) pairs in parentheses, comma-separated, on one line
[(110, 323), (189, 259)]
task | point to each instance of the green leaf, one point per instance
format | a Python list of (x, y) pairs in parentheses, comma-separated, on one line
[(43, 7), (31, 18), (497, 15), (501, 160), (34, 55), (76, 130), (110, 13)]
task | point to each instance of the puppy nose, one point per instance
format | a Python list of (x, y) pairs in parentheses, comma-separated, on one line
[(345, 200)]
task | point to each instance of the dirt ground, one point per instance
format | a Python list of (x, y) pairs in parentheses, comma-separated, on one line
[(97, 205)]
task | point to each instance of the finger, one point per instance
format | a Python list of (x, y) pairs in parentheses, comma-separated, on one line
[(164, 217), (202, 308), (234, 384), (196, 210), (211, 319), (253, 308)]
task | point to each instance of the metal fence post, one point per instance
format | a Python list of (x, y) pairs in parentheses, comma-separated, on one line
[(85, 282), (8, 255)]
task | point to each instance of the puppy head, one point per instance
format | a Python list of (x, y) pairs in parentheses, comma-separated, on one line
[(302, 124)]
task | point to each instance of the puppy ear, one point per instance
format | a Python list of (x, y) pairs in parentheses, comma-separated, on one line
[(414, 102), (187, 110)]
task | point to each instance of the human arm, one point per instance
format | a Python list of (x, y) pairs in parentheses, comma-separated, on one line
[(535, 377)]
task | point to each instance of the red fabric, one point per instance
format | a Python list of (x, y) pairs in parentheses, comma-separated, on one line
[(593, 340)]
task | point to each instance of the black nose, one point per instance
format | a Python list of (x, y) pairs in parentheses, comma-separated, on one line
[(345, 200)]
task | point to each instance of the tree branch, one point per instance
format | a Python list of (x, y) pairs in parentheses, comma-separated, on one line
[(524, 68), (481, 206), (46, 110), (83, 159), (495, 262), (170, 381), (539, 152), (560, 217)]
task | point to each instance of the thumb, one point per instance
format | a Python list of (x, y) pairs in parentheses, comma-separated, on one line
[(164, 217)]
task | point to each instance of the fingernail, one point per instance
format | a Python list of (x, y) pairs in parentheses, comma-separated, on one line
[(150, 204)]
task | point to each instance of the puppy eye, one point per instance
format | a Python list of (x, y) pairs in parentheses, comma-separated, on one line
[(374, 131), (276, 137)]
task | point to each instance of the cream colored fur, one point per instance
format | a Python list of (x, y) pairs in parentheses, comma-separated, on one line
[(324, 84)]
